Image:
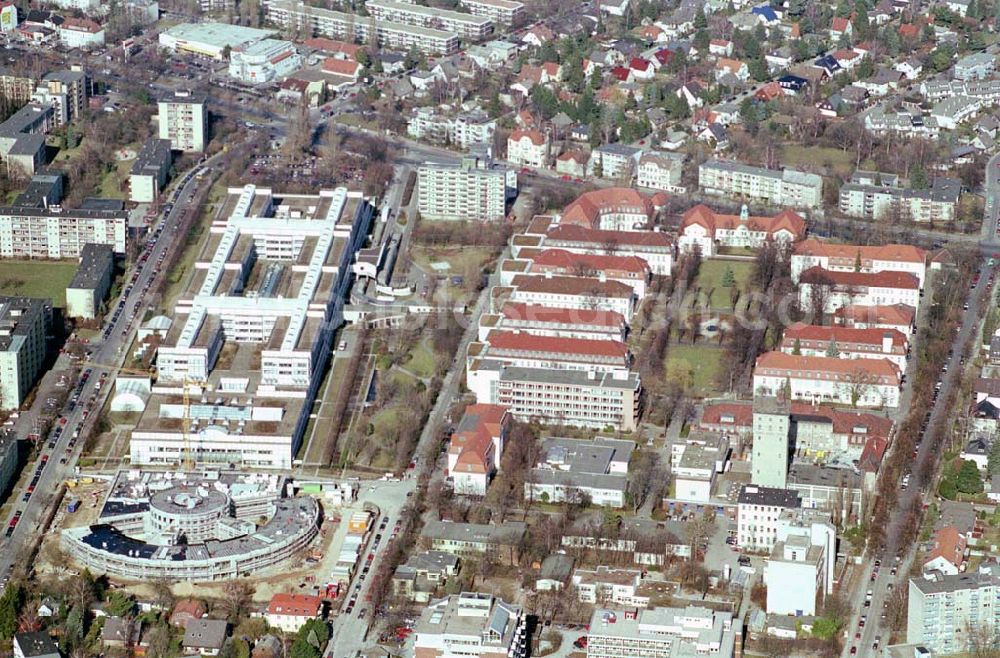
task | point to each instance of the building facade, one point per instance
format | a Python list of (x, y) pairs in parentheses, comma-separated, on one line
[(55, 232), (183, 119), (24, 324), (944, 611), (789, 187), (91, 283), (474, 190)]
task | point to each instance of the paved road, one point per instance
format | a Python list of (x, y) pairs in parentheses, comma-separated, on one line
[(109, 353)]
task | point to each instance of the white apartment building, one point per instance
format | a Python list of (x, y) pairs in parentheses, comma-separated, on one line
[(501, 12), (866, 196), (476, 190), (471, 625), (351, 27), (528, 148), (858, 258), (148, 175), (661, 633), (801, 563), (757, 512), (466, 26), (944, 611), (569, 397), (578, 292), (660, 171), (821, 379), (24, 323), (183, 119), (788, 187), (607, 586), (264, 61), (462, 130), (255, 330), (614, 161), (837, 290), (81, 33), (55, 232), (847, 343)]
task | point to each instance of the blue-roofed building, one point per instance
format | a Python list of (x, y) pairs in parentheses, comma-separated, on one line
[(792, 83), (766, 14), (829, 63)]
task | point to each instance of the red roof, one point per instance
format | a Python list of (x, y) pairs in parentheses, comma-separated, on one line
[(899, 315), (950, 544), (639, 64), (332, 46), (598, 237), (587, 209), (295, 605), (909, 31), (572, 285), (552, 69), (536, 137), (903, 253), (727, 64), (81, 25), (872, 454), (524, 342), (346, 67), (770, 91), (809, 366), (473, 441), (565, 260), (739, 415), (621, 73), (720, 42), (884, 279), (839, 24), (664, 56), (786, 220), (727, 414), (844, 335), (555, 315)]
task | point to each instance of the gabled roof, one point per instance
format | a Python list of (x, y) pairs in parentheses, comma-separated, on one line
[(587, 209), (555, 315), (811, 366), (899, 315), (583, 235), (843, 335), (884, 279), (295, 605), (572, 285), (565, 260), (525, 342), (902, 253), (702, 215), (536, 137)]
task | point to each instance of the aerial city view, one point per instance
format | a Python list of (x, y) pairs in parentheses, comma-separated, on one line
[(499, 328)]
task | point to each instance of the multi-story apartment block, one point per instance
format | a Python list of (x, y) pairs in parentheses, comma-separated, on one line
[(822, 379), (91, 283), (788, 187), (471, 625), (463, 130), (867, 195), (945, 613), (264, 61), (614, 161), (835, 290), (466, 26), (654, 247), (16, 87), (661, 633), (149, 172), (568, 397), (216, 6), (183, 119), (608, 586), (660, 171), (24, 323), (54, 232), (67, 90), (528, 148), (801, 563), (857, 258), (975, 66), (501, 12), (365, 29), (709, 230), (757, 512), (847, 343), (476, 189)]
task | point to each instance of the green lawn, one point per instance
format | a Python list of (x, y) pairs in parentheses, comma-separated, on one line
[(463, 260), (421, 362), (699, 365), (811, 156), (37, 278), (711, 274)]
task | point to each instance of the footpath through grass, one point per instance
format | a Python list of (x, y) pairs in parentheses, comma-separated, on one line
[(37, 278)]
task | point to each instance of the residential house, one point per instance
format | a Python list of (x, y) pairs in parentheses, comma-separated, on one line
[(289, 612), (613, 161), (691, 91), (185, 610), (948, 553), (573, 163), (121, 632), (734, 67), (911, 68), (476, 446), (528, 148), (978, 449), (976, 66), (841, 27), (422, 574), (720, 47), (660, 171), (204, 636), (35, 645)]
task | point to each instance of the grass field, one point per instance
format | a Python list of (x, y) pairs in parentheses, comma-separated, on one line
[(110, 184), (464, 261), (811, 156), (711, 274), (697, 365), (421, 361), (37, 278)]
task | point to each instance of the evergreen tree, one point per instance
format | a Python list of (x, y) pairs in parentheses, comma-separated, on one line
[(918, 179), (832, 350), (968, 480), (993, 465), (700, 20), (797, 347), (728, 278)]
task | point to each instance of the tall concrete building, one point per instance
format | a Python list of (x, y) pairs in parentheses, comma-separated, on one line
[(787, 187), (477, 189), (24, 323), (946, 612), (91, 283), (184, 121), (53, 232), (771, 428)]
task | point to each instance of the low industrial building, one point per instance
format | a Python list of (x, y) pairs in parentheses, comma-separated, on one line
[(481, 624), (198, 526), (150, 170), (659, 632), (210, 39), (574, 470), (91, 283)]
